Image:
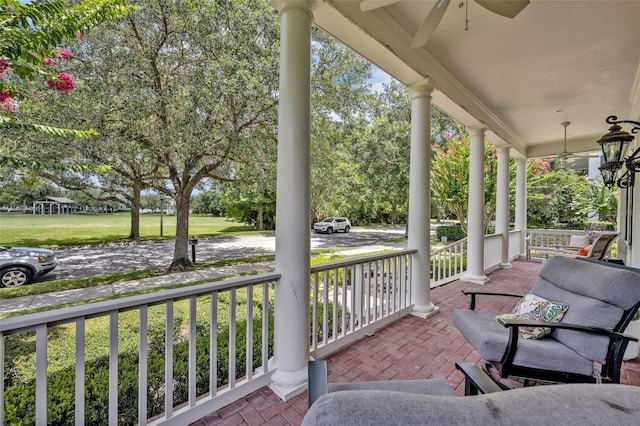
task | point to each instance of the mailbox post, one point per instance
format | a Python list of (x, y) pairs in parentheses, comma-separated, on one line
[(193, 241)]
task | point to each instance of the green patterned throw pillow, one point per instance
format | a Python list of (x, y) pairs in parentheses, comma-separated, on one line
[(532, 307)]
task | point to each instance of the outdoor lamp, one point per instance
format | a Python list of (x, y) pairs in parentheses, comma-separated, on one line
[(608, 175), (614, 148)]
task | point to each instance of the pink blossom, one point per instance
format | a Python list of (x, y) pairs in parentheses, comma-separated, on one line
[(64, 54), (547, 197), (63, 83), (4, 67), (6, 101), (47, 61)]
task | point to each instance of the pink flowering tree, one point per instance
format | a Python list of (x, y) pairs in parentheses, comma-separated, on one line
[(30, 38), (450, 177)]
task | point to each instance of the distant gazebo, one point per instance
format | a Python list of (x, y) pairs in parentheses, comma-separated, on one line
[(53, 205)]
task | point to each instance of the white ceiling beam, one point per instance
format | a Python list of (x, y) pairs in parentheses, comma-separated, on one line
[(367, 5)]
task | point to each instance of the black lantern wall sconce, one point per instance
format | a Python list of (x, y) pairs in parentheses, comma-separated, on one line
[(614, 148)]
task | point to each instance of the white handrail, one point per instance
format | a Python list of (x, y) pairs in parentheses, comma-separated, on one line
[(351, 298), (189, 388)]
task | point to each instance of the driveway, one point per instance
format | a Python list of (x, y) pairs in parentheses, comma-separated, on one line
[(104, 259)]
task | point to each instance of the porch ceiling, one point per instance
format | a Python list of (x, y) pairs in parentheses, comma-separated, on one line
[(556, 61)]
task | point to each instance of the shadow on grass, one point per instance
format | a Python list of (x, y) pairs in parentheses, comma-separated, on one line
[(42, 287), (75, 240), (47, 285), (238, 228), (79, 240)]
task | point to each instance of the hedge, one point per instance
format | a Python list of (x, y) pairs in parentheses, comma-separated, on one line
[(452, 232), (20, 396)]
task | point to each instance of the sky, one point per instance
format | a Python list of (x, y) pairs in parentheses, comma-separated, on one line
[(378, 78)]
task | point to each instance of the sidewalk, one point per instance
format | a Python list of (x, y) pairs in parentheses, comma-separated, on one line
[(87, 294), (49, 300)]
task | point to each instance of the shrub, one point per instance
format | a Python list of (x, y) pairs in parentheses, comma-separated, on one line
[(601, 226), (452, 232), (20, 396)]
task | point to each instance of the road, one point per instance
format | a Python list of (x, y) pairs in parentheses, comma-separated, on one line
[(79, 262)]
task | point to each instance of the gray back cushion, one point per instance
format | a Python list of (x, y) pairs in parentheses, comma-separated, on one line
[(584, 404), (597, 296), (619, 287)]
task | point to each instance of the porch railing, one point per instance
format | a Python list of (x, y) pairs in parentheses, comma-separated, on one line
[(220, 338), (116, 367), (352, 298), (450, 262), (515, 243), (541, 242), (492, 251)]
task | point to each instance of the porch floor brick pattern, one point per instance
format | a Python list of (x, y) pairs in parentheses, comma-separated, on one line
[(410, 348)]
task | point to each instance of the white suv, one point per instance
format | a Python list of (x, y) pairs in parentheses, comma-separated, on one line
[(332, 224), (20, 265)]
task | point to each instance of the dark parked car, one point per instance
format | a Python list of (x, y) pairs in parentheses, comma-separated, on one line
[(20, 265)]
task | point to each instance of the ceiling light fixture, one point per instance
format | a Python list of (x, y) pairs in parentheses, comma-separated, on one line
[(614, 148)]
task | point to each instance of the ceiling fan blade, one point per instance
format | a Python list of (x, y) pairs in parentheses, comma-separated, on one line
[(506, 8), (430, 23), (366, 5)]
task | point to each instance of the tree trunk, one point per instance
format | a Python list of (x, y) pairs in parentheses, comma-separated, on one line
[(260, 219), (181, 248), (134, 232), (394, 214)]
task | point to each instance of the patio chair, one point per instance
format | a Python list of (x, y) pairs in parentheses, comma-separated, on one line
[(476, 381), (596, 250), (376, 403), (586, 343)]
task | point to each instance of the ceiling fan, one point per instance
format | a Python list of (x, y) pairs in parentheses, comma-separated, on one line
[(506, 8), (564, 155), (570, 157)]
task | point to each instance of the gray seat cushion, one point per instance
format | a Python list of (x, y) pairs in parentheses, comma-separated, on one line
[(587, 404), (426, 387), (490, 339)]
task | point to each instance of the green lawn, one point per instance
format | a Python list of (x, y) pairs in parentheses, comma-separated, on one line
[(17, 229)]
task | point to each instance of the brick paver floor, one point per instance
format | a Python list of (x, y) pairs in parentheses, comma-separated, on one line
[(410, 348)]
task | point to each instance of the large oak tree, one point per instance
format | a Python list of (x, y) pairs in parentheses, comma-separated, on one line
[(180, 88)]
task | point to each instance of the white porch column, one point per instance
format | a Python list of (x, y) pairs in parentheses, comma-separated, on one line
[(475, 210), (633, 252), (521, 203), (291, 328), (419, 229), (502, 205)]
